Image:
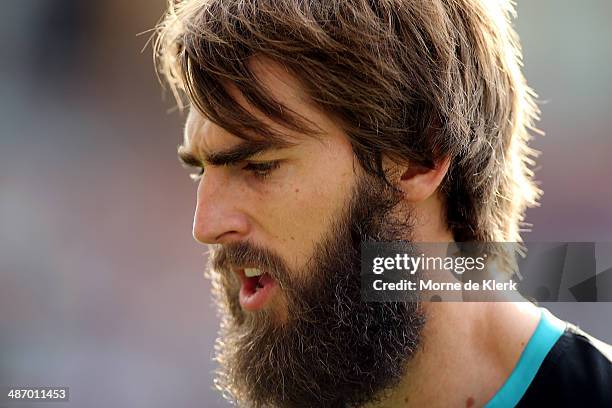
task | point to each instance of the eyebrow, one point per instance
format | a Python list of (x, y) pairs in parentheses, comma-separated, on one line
[(233, 155)]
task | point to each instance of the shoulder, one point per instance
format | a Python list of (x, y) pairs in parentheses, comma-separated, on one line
[(577, 371)]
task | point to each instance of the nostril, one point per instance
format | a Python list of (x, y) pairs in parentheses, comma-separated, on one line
[(228, 237)]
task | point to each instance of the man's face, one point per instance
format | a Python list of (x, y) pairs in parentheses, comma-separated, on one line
[(297, 333), (283, 198)]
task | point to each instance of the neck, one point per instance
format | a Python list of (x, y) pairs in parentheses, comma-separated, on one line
[(462, 344)]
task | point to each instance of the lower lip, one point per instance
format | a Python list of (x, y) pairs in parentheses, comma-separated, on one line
[(252, 298)]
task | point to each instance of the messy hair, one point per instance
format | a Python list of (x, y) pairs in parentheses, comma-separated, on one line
[(414, 81)]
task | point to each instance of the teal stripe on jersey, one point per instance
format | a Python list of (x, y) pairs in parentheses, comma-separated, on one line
[(542, 341)]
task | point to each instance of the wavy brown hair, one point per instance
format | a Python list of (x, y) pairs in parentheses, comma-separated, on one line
[(413, 80)]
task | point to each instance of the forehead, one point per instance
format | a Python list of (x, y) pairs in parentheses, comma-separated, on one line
[(279, 84)]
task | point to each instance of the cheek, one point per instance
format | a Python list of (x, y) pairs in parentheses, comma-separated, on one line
[(298, 215), (294, 214)]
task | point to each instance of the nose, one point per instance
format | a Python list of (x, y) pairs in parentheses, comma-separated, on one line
[(218, 218)]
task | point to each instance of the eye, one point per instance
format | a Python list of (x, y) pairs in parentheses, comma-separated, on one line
[(263, 169), (197, 176)]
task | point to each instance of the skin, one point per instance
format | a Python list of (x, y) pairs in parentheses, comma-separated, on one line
[(469, 349)]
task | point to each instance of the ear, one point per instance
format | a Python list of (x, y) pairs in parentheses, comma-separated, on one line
[(419, 183)]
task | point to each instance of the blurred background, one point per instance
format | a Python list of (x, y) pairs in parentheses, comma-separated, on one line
[(101, 285)]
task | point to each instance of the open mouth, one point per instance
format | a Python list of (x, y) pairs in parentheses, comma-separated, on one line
[(256, 288)]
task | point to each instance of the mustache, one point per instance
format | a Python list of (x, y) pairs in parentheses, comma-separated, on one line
[(225, 258)]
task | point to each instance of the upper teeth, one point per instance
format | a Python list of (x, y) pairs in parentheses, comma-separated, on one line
[(250, 272)]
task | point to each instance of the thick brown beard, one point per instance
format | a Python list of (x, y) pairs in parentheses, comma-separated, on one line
[(334, 350)]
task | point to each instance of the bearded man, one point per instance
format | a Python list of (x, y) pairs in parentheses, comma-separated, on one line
[(317, 125)]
